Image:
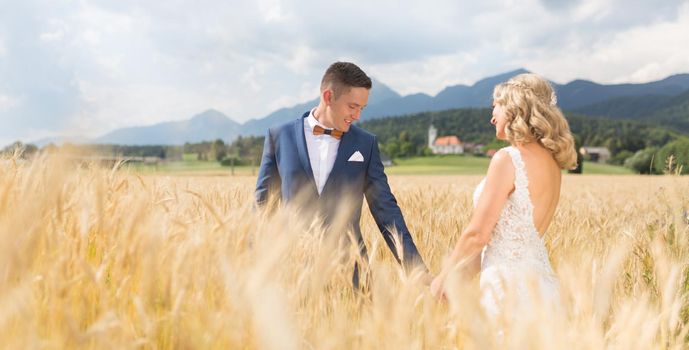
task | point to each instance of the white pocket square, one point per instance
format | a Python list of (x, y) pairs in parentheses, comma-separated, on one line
[(356, 157)]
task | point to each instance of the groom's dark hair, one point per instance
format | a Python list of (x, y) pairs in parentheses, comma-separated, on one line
[(342, 76)]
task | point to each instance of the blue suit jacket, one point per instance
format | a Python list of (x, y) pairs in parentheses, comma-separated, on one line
[(286, 171)]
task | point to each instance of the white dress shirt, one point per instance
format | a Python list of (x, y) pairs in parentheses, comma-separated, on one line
[(322, 151)]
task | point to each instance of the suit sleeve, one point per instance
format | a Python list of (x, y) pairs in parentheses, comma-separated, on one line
[(387, 213), (268, 182)]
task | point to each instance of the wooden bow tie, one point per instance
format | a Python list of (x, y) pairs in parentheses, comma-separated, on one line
[(318, 130)]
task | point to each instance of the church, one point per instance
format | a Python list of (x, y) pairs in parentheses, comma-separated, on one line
[(445, 144)]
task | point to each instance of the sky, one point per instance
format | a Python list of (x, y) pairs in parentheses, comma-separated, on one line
[(87, 67)]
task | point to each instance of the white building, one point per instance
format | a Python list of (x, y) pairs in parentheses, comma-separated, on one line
[(595, 154), (445, 144)]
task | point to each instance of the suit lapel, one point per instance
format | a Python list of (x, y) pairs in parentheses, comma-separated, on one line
[(300, 139), (344, 150)]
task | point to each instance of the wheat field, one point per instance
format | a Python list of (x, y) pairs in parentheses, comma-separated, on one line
[(95, 258)]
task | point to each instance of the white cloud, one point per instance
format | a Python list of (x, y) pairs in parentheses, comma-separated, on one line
[(94, 66), (430, 75), (637, 54), (8, 102), (143, 105), (302, 59), (272, 11), (3, 48), (56, 31), (252, 77), (593, 10)]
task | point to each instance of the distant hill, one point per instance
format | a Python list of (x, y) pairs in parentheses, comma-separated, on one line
[(209, 125), (282, 115), (477, 95), (61, 140), (628, 107), (456, 96), (380, 93), (664, 101), (675, 113), (666, 110), (581, 93), (623, 101)]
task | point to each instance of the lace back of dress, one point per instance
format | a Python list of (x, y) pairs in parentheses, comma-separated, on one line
[(521, 182), (515, 238), (516, 252)]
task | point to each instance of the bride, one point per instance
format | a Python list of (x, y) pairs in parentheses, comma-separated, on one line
[(516, 201)]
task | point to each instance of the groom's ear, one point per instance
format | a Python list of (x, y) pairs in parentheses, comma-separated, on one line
[(327, 95)]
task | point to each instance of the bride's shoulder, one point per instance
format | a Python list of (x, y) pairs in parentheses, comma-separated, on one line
[(501, 163), (503, 155), (501, 174)]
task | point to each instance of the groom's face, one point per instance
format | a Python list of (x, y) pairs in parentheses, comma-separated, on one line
[(346, 108)]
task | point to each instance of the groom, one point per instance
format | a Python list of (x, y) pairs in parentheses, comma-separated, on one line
[(326, 166)]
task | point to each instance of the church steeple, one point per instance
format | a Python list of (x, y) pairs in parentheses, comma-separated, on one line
[(432, 135)]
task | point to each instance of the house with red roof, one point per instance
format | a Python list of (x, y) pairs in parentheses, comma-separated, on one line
[(450, 144)]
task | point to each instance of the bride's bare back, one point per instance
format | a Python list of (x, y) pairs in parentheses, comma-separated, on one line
[(545, 178)]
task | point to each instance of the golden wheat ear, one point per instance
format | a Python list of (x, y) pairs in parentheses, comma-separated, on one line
[(100, 257)]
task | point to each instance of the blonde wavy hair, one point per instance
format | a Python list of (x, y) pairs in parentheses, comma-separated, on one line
[(530, 106)]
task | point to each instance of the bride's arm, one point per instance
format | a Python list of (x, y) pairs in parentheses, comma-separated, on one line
[(467, 253)]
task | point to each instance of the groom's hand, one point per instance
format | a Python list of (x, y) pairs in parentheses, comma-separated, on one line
[(426, 279), (437, 289)]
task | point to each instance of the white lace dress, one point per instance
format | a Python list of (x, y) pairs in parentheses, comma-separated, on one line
[(515, 268)]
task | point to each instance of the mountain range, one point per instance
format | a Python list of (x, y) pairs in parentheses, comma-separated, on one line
[(663, 101)]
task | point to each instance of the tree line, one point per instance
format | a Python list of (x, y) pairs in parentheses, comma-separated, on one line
[(245, 150), (631, 143), (640, 145)]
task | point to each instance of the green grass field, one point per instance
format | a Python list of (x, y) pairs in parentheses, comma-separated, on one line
[(605, 169), (436, 165), (470, 165), (440, 165), (190, 165)]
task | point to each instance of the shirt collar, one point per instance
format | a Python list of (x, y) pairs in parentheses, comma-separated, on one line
[(312, 121)]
